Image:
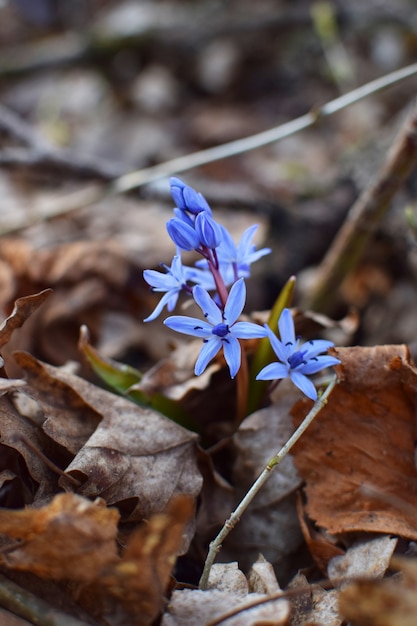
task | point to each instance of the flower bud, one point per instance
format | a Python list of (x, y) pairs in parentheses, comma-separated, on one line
[(208, 230), (182, 234)]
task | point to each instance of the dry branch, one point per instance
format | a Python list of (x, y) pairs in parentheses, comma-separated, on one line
[(363, 218)]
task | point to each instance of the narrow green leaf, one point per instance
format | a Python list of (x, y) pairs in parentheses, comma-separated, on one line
[(264, 353), (123, 379)]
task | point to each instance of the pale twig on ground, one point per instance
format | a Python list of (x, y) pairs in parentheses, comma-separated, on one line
[(180, 164), (359, 227), (231, 522), (41, 153), (28, 606), (135, 179)]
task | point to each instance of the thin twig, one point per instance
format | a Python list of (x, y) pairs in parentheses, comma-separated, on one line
[(28, 606), (180, 164), (359, 226), (39, 152), (137, 178), (231, 522)]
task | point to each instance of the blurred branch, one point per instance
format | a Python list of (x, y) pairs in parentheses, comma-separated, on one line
[(28, 606), (176, 166), (41, 153), (361, 221), (137, 178)]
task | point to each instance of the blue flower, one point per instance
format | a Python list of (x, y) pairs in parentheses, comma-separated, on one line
[(183, 234), (219, 329), (296, 361), (188, 199), (174, 281), (235, 260), (208, 230), (241, 256)]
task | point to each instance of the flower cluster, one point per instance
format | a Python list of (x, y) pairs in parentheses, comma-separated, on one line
[(225, 264)]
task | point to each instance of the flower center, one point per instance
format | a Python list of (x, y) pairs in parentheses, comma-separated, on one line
[(221, 330), (296, 359)]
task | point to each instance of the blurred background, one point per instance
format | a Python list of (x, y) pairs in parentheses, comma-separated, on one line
[(90, 90)]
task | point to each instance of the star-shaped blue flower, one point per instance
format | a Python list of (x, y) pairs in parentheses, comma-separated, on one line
[(170, 284), (296, 361), (219, 329)]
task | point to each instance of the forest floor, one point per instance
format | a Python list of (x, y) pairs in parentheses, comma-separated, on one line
[(118, 465)]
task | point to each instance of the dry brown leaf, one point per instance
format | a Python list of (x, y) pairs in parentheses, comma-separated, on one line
[(66, 417), (321, 546), (366, 558), (365, 435), (139, 580), (135, 458), (23, 308), (388, 602), (201, 608), (71, 538), (34, 480)]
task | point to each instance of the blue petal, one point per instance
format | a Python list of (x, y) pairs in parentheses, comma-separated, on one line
[(315, 347), (235, 302), (232, 354), (245, 246), (248, 330), (227, 250), (303, 383), (202, 277), (210, 309), (159, 281), (194, 201), (273, 371), (158, 309), (318, 363), (207, 352), (256, 255), (282, 352), (286, 328), (177, 269), (189, 326)]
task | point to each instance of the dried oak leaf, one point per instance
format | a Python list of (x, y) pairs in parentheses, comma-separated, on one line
[(138, 581), (73, 539), (23, 308), (70, 538), (135, 458), (388, 602), (23, 471), (365, 435), (66, 418)]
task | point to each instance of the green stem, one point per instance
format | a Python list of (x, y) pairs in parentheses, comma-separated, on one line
[(231, 522)]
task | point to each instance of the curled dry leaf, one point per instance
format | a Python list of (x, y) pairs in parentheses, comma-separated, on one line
[(203, 608), (135, 458), (25, 478), (228, 599), (139, 580), (388, 602), (366, 558), (71, 538), (365, 435), (23, 309)]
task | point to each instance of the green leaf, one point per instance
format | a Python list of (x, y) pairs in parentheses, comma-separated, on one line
[(123, 379)]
